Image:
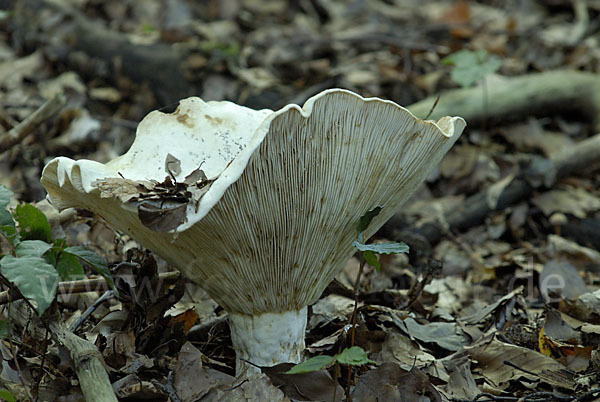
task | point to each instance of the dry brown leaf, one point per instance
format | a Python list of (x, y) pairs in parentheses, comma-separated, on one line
[(389, 382), (492, 357), (192, 381), (313, 386), (569, 200)]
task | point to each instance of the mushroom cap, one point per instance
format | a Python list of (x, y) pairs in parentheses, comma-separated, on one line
[(276, 195)]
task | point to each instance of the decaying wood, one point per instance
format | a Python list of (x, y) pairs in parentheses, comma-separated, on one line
[(476, 208), (15, 135), (160, 65), (510, 99), (89, 365)]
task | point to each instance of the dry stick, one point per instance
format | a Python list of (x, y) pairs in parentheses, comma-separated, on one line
[(82, 286), (44, 352), (89, 365), (512, 99), (106, 296), (476, 207), (13, 353), (24, 128)]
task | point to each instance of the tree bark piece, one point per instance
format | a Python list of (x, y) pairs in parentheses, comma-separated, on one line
[(476, 207), (510, 99)]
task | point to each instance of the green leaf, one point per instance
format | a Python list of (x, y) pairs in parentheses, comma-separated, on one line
[(354, 355), (5, 195), (36, 279), (32, 248), (6, 395), (97, 263), (471, 66), (371, 259), (33, 223), (59, 245), (383, 248), (365, 220), (313, 364), (7, 227), (3, 329), (69, 268)]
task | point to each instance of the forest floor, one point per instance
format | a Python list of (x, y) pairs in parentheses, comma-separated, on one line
[(512, 213)]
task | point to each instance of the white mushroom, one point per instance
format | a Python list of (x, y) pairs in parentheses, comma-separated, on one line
[(259, 207)]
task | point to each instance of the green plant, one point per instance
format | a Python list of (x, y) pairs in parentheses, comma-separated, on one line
[(369, 251), (470, 67), (354, 355), (35, 263), (5, 395)]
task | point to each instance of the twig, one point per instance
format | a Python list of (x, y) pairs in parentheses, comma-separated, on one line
[(433, 267), (106, 296), (13, 352), (511, 364), (15, 135), (589, 396), (44, 352), (82, 286), (437, 99), (168, 388)]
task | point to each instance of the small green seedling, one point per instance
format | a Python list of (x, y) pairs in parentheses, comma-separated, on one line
[(369, 250), (36, 263), (470, 67), (5, 395), (355, 356)]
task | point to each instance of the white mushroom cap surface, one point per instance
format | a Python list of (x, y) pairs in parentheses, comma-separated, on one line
[(284, 190)]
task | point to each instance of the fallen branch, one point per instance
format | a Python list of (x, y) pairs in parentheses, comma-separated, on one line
[(89, 365), (476, 208), (111, 53), (88, 362), (68, 288), (510, 99), (18, 133)]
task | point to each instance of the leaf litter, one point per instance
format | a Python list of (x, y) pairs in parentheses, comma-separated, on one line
[(494, 321), (162, 206)]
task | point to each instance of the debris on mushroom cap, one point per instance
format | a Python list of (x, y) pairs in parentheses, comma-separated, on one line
[(172, 163), (284, 189)]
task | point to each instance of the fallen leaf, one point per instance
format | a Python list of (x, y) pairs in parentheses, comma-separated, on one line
[(313, 386), (162, 217), (172, 166), (389, 382), (502, 362)]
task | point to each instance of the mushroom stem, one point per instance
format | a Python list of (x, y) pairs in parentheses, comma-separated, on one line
[(268, 339)]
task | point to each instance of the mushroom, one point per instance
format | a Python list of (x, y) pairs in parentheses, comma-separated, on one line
[(259, 207)]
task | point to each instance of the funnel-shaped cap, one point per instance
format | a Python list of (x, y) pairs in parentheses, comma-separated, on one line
[(259, 207)]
